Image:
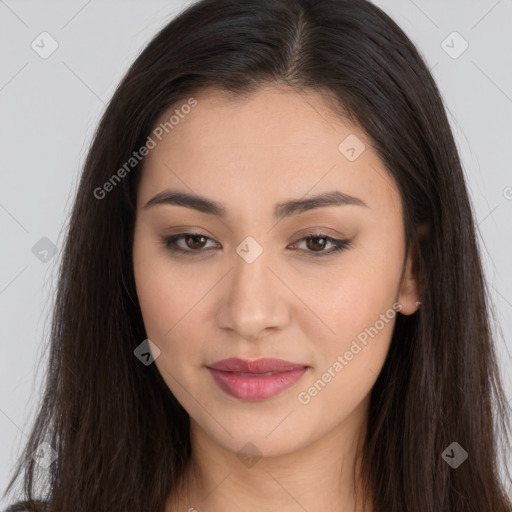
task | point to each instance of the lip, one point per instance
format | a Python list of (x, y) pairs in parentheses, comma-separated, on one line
[(255, 380)]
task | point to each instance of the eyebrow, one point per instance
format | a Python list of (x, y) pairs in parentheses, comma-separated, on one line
[(281, 210)]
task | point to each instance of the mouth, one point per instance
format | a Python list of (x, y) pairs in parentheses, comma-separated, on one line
[(255, 380)]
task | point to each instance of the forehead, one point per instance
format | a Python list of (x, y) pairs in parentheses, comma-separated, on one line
[(272, 144), (271, 117)]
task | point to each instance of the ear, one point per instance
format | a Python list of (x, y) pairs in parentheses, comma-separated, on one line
[(409, 295)]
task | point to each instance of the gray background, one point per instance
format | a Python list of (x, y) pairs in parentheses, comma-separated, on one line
[(50, 107)]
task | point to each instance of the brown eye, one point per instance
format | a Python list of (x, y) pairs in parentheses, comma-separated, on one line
[(316, 244), (195, 241), (194, 244), (187, 243), (311, 243)]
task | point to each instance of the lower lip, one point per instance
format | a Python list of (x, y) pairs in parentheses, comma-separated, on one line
[(256, 387)]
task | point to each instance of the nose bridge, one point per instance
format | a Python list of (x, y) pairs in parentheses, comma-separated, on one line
[(251, 274), (254, 301)]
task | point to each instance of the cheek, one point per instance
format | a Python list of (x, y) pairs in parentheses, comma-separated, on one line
[(170, 296), (357, 306), (156, 295), (352, 295), (164, 308), (166, 291)]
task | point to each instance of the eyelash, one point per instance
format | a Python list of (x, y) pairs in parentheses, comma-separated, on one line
[(339, 245)]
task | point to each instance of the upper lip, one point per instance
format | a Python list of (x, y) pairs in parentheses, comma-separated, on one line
[(263, 365)]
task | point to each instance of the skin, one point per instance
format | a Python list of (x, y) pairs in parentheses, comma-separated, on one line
[(250, 154)]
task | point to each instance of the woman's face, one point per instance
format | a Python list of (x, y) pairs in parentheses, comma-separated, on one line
[(261, 279)]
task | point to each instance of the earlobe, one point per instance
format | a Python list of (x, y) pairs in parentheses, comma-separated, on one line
[(409, 295)]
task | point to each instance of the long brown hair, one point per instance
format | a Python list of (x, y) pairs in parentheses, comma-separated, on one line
[(120, 436)]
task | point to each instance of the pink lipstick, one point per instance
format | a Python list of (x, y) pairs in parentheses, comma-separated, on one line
[(255, 380)]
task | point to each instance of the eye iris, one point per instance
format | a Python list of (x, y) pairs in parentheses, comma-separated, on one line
[(315, 245), (195, 238)]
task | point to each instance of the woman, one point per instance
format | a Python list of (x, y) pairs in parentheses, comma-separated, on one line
[(271, 295)]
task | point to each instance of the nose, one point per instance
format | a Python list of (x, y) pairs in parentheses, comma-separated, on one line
[(253, 300)]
